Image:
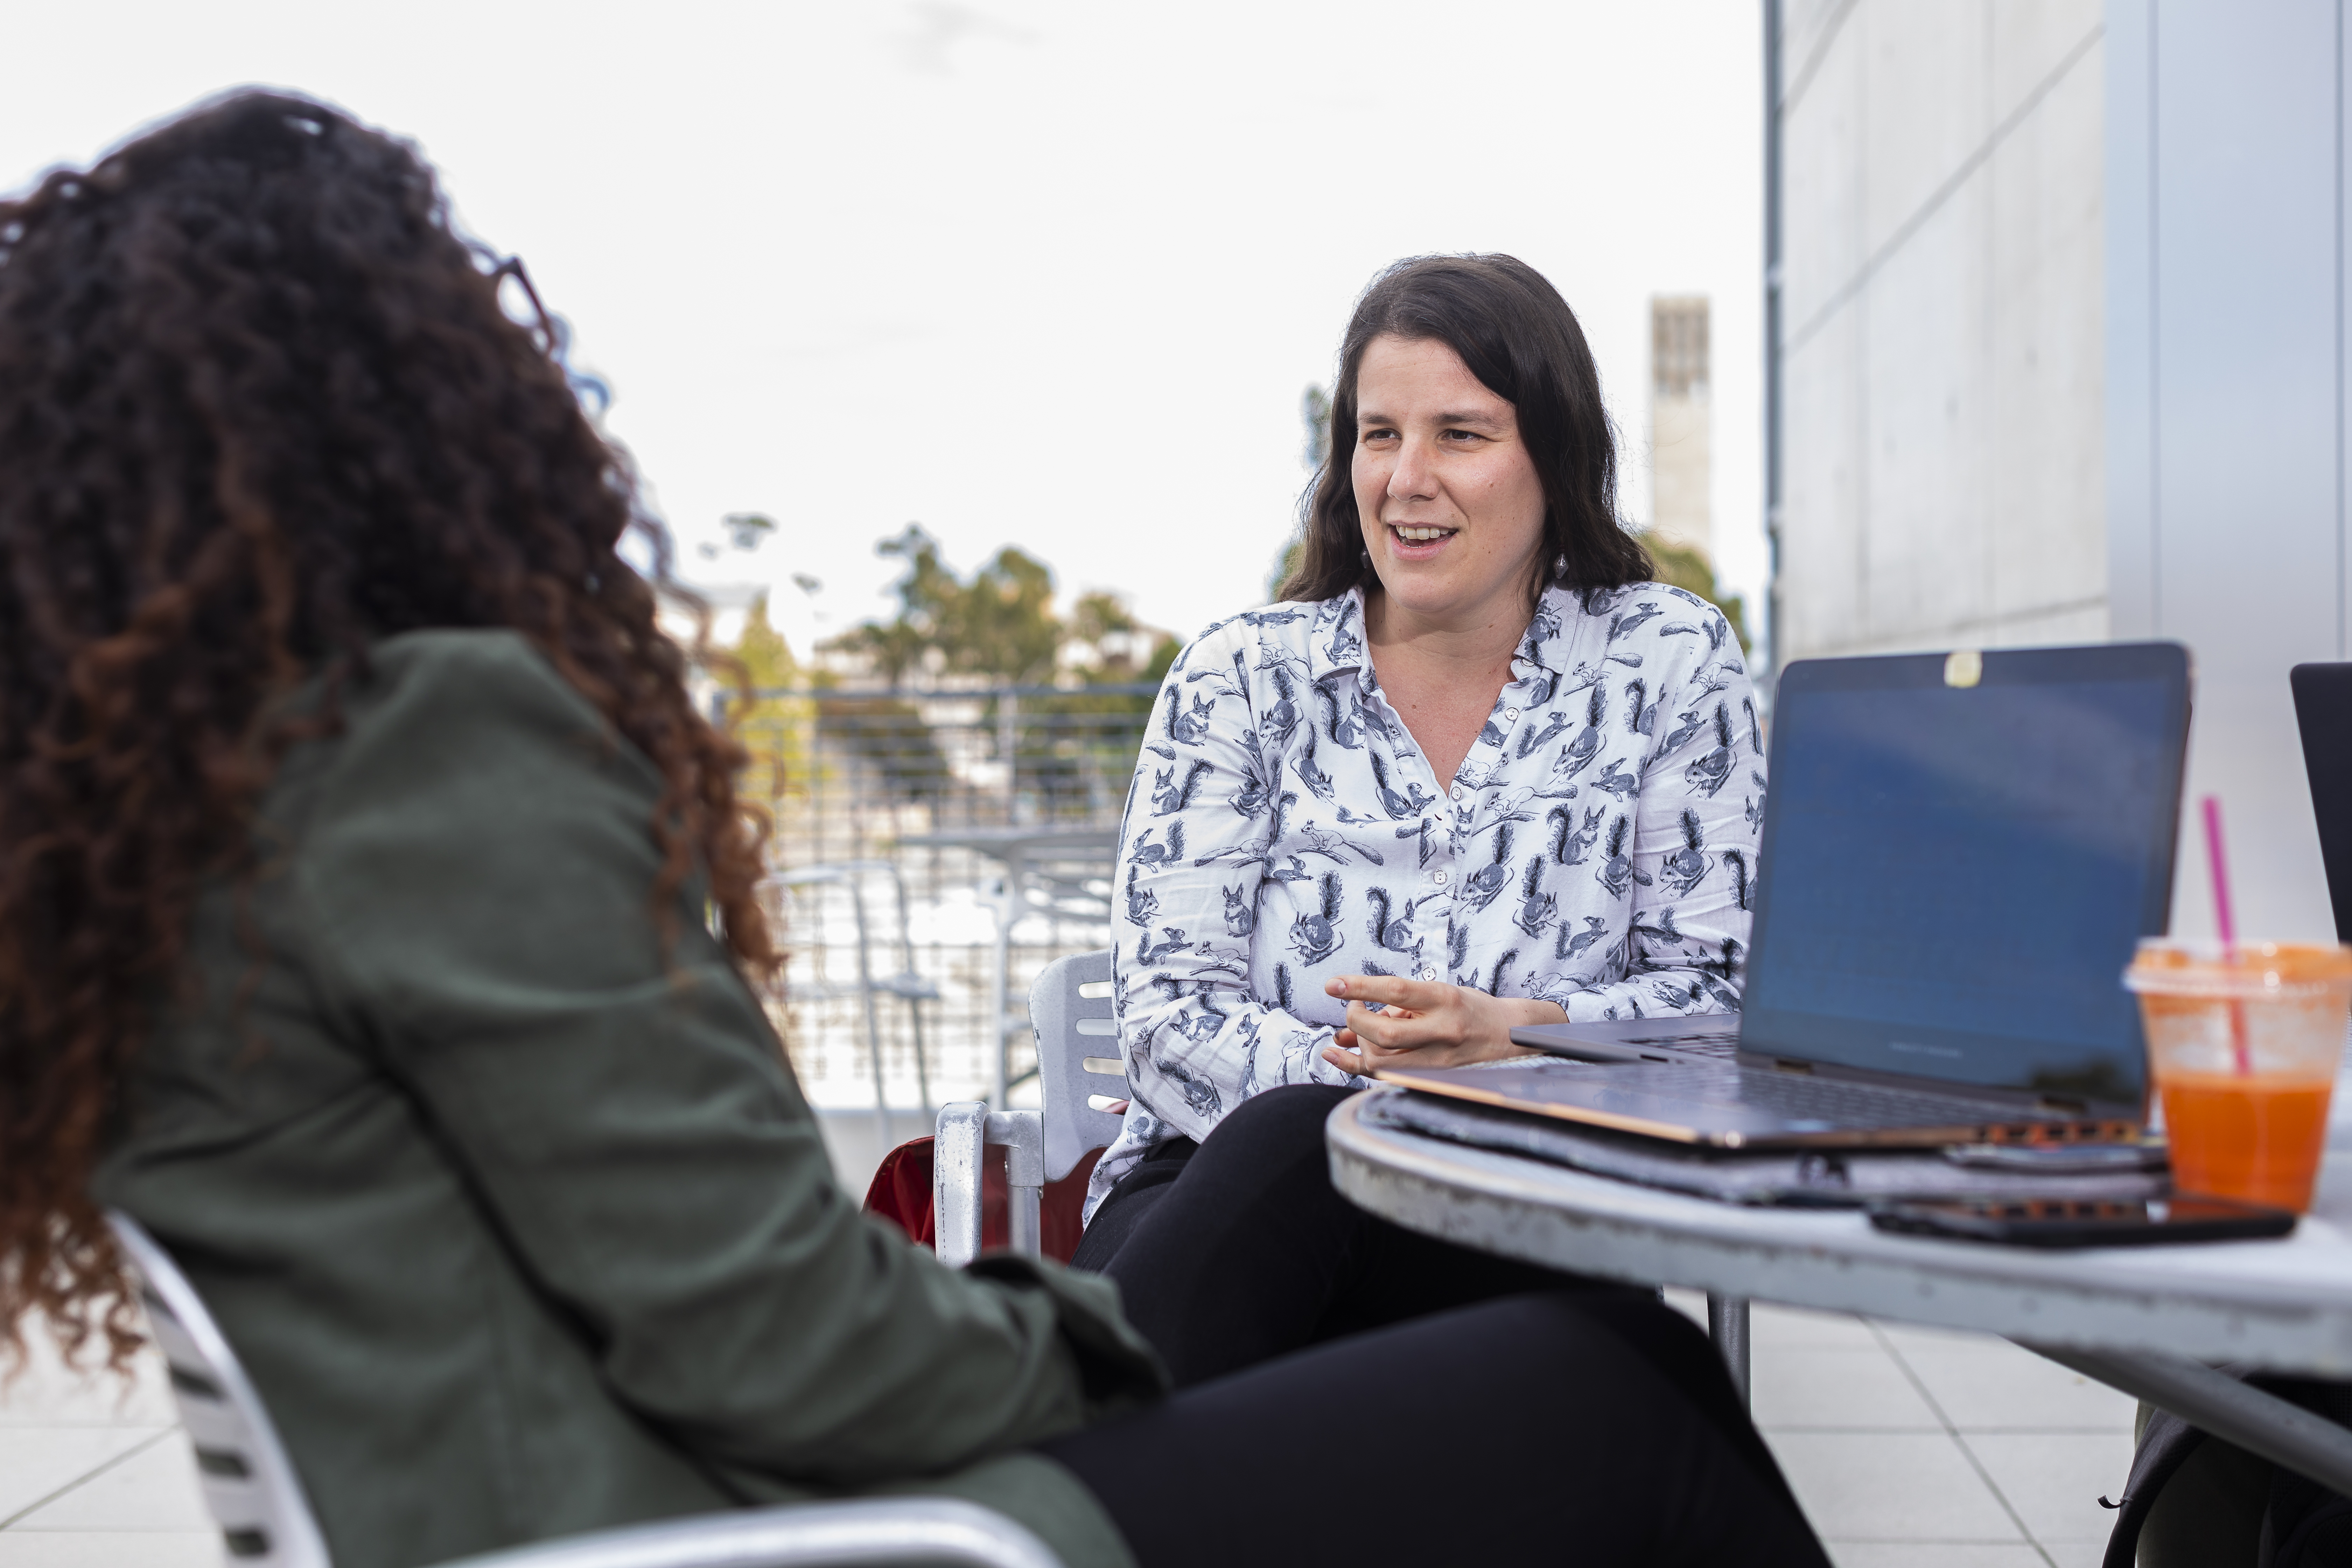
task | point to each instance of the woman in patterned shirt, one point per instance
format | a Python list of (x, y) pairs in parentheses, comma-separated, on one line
[(1473, 772)]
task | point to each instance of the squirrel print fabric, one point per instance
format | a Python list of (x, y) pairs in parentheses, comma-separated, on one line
[(1597, 848)]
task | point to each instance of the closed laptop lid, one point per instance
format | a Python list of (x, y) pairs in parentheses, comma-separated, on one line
[(2323, 711), (1959, 853)]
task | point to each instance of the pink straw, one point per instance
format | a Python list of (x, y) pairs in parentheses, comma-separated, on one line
[(2218, 860)]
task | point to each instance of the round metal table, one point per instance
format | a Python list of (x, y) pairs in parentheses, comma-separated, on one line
[(2144, 1319)]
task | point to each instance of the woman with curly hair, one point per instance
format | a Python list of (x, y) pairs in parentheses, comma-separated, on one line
[(377, 927)]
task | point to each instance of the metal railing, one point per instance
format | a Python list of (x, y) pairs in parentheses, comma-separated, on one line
[(845, 776)]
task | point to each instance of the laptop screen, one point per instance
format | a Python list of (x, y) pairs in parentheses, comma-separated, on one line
[(1954, 876)]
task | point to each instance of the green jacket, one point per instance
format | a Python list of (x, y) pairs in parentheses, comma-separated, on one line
[(521, 1230)]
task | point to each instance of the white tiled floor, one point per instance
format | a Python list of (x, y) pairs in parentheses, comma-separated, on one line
[(95, 1473), (1909, 1449), (1932, 1449)]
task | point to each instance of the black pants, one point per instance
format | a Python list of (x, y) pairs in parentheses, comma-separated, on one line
[(1340, 1403), (1593, 1429), (1233, 1251)]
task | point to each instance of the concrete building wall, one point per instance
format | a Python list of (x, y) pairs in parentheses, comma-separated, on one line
[(1942, 349), (2226, 438), (2064, 304), (1682, 467)]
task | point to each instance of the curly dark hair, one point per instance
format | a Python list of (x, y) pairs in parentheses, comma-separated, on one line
[(1518, 337), (260, 405)]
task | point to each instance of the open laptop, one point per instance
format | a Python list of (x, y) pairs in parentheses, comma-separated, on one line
[(1958, 855), (2322, 712)]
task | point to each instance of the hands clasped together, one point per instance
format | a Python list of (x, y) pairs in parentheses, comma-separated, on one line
[(1427, 1023)]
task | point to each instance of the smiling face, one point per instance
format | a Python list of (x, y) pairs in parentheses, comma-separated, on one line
[(1451, 507)]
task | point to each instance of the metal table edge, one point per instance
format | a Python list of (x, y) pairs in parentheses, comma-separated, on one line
[(1520, 1207)]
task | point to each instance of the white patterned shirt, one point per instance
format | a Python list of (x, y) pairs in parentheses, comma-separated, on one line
[(1597, 847)]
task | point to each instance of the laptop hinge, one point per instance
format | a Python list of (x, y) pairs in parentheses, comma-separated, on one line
[(1782, 1064)]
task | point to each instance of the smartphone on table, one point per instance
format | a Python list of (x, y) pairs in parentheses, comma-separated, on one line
[(2087, 1222)]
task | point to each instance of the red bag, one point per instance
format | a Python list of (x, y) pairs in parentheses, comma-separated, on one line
[(901, 1193)]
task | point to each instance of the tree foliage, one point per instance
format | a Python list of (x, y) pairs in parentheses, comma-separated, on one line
[(767, 659), (763, 723), (1001, 624)]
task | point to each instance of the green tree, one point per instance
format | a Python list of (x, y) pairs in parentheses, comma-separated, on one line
[(1104, 623), (767, 659), (1001, 624), (1098, 616), (1285, 565), (1004, 623), (1314, 413), (763, 661)]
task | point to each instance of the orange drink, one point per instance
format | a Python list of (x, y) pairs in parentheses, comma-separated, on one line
[(2245, 1137), (2245, 1043)]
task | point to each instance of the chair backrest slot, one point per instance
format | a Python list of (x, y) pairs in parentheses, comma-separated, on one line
[(195, 1384), (248, 1484), (221, 1462), (1071, 1006)]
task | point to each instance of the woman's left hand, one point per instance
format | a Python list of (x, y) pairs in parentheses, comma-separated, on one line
[(1427, 1023)]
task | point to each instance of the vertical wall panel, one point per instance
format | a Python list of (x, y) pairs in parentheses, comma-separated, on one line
[(2225, 424), (2245, 313), (2131, 301), (1942, 353)]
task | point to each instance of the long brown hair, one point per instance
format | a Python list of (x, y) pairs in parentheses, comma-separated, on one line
[(1520, 339), (260, 405)]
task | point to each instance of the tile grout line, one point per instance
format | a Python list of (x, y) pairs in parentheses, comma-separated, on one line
[(123, 1458), (1968, 1453), (1980, 1431), (1914, 1540)]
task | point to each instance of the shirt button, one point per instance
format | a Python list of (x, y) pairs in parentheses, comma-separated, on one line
[(1458, 791), (1510, 714), (1429, 974), (1438, 877)]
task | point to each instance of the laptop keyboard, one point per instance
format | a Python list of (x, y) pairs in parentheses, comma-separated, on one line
[(1722, 1043), (1835, 1102), (1866, 1105)]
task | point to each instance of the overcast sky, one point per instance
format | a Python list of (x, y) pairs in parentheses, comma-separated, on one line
[(1029, 272)]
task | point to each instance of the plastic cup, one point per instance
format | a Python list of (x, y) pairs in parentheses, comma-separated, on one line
[(2243, 1042)]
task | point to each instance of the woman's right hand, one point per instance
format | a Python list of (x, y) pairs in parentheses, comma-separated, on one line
[(1427, 1023)]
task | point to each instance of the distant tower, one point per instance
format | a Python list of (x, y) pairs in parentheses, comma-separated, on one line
[(1680, 472)]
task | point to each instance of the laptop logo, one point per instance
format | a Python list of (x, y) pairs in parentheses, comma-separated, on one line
[(1963, 666), (1913, 1048)]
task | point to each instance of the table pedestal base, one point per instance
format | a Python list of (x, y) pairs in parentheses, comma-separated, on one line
[(1726, 1325)]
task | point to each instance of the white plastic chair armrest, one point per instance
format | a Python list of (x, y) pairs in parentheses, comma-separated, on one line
[(965, 1132), (945, 1531)]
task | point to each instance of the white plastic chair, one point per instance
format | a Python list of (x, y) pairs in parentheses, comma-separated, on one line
[(254, 1495), (1083, 1081)]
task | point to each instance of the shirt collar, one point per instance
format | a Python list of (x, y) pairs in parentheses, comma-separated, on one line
[(1545, 645), (1336, 641)]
